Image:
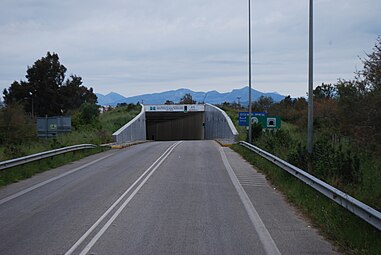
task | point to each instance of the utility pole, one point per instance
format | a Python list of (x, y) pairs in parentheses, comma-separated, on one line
[(250, 136), (310, 84)]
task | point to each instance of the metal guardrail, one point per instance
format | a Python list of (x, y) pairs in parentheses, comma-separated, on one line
[(30, 158), (353, 205)]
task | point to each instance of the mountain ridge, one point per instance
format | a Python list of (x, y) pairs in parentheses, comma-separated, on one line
[(212, 97)]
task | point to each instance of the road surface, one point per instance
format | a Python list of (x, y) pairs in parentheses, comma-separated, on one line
[(186, 197)]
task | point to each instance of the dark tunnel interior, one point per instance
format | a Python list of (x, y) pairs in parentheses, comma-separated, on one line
[(172, 126)]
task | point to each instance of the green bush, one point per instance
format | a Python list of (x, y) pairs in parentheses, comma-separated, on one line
[(256, 131)]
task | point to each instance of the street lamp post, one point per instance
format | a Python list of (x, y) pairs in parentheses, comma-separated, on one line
[(310, 83), (32, 107), (250, 135), (32, 102)]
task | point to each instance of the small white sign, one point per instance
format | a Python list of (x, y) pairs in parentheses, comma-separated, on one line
[(175, 108), (271, 122)]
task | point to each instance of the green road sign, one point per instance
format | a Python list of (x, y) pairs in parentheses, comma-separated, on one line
[(267, 122)]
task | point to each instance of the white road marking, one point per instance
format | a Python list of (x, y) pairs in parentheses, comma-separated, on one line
[(264, 235), (20, 193), (154, 166)]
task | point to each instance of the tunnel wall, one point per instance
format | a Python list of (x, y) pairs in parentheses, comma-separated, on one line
[(218, 125), (134, 130)]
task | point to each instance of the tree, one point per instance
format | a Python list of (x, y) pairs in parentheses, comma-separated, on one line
[(263, 104), (292, 110), (325, 91), (44, 80), (17, 92), (372, 68), (352, 108), (74, 94), (89, 112), (169, 102), (187, 99), (349, 109), (86, 114), (15, 126), (45, 90)]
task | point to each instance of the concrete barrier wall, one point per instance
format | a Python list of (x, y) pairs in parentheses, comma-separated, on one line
[(218, 125), (135, 130)]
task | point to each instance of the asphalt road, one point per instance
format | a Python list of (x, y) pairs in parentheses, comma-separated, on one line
[(190, 197)]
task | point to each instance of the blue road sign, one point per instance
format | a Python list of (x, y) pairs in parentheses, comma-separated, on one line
[(242, 116)]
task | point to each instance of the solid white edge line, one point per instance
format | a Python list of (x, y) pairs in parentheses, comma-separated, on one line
[(264, 235), (20, 193), (104, 215)]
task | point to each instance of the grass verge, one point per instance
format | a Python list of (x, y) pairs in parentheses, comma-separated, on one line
[(22, 172), (350, 234)]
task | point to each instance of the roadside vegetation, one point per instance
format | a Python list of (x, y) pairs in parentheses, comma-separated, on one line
[(47, 93), (98, 132), (349, 233), (346, 154)]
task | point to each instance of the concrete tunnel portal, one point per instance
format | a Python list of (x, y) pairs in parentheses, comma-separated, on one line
[(178, 122)]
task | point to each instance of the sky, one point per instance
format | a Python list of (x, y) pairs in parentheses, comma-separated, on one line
[(134, 47)]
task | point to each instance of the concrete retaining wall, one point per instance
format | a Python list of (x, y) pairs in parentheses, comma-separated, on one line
[(135, 130), (219, 126)]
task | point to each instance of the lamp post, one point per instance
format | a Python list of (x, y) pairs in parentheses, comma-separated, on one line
[(32, 107), (310, 128), (32, 102), (250, 136)]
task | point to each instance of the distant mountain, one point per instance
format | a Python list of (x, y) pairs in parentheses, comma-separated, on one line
[(212, 97), (110, 98)]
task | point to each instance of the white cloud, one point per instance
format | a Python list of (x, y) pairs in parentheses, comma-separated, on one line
[(135, 47)]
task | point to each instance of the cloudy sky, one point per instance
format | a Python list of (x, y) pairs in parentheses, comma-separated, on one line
[(134, 47)]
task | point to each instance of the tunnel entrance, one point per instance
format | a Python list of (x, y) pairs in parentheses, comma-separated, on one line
[(169, 126), (178, 122)]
